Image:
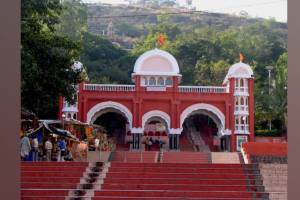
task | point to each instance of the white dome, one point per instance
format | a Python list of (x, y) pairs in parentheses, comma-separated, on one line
[(156, 62), (239, 70)]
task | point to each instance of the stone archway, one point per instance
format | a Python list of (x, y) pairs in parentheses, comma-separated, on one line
[(207, 109), (104, 107), (205, 124), (156, 114)]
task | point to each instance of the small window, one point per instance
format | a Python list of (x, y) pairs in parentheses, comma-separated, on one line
[(236, 101), (242, 100), (169, 81), (160, 81), (237, 83), (246, 82), (236, 120), (152, 81), (246, 100), (74, 116), (243, 120), (144, 81), (241, 82), (69, 115)]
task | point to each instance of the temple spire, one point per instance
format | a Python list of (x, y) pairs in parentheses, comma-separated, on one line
[(160, 40), (241, 57)]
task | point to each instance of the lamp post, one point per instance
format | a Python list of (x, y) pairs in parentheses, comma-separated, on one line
[(269, 68)]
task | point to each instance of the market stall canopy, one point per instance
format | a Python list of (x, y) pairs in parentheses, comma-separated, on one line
[(48, 126)]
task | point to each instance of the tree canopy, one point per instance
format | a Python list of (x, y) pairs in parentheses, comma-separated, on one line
[(46, 59)]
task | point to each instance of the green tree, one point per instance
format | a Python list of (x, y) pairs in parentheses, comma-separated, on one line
[(46, 57), (105, 62), (280, 90), (212, 73)]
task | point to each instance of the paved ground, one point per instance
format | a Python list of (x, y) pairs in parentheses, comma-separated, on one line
[(95, 156)]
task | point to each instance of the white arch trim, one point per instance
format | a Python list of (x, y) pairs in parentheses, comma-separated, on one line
[(109, 104), (156, 113), (207, 107), (156, 52)]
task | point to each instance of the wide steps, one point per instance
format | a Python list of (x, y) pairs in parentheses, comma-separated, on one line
[(177, 175), (274, 178), (178, 187), (225, 157), (50, 179), (184, 181), (52, 193), (169, 198), (52, 168), (43, 198), (51, 174), (60, 164), (278, 195), (48, 185), (135, 157), (178, 170), (181, 181), (159, 194), (185, 157), (180, 165)]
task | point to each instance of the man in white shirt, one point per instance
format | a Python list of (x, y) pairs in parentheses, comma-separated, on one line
[(35, 145), (97, 141), (25, 148), (48, 147)]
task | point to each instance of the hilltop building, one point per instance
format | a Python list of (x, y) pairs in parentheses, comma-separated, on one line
[(156, 105)]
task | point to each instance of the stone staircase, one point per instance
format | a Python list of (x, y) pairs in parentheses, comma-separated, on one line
[(60, 180), (197, 140), (274, 178), (177, 181), (186, 157), (138, 181), (225, 157)]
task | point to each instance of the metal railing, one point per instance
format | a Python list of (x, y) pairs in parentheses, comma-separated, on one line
[(109, 87), (202, 89), (241, 108)]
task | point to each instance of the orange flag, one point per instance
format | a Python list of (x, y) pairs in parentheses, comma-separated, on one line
[(241, 57), (161, 39)]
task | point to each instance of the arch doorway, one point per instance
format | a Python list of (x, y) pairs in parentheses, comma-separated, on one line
[(115, 125), (202, 126), (116, 119), (156, 126)]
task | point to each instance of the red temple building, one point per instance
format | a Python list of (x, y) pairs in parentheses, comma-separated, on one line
[(157, 106)]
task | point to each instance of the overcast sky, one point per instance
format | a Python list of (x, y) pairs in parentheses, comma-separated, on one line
[(255, 8)]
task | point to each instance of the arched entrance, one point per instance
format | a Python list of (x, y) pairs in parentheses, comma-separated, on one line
[(115, 123), (203, 126), (115, 118), (156, 126)]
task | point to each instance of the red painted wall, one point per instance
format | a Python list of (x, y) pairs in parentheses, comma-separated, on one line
[(171, 101)]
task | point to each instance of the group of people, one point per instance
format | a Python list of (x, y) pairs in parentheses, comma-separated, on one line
[(149, 142), (31, 149), (102, 142)]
